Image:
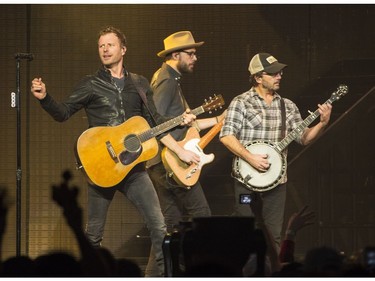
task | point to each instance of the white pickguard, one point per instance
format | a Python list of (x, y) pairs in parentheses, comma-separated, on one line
[(192, 145)]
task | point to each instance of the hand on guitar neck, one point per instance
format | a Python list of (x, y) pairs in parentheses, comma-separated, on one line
[(188, 118)]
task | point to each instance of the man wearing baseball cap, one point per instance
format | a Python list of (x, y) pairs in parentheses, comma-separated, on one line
[(262, 115)]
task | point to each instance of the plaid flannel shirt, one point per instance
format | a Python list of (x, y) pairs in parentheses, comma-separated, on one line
[(250, 118)]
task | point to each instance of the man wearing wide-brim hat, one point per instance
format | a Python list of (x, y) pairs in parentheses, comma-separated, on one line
[(179, 41), (178, 202)]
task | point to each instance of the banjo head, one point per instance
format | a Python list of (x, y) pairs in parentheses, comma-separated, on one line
[(256, 180)]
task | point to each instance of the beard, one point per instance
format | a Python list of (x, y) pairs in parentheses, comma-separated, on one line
[(184, 67), (271, 87)]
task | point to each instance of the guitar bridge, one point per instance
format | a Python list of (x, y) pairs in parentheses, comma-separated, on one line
[(111, 151), (191, 173)]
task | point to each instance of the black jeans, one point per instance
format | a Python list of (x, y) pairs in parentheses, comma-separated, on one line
[(138, 188), (178, 203), (273, 208)]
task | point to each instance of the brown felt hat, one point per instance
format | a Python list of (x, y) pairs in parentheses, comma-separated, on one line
[(178, 41)]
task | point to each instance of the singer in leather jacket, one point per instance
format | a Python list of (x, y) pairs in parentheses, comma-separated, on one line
[(110, 97)]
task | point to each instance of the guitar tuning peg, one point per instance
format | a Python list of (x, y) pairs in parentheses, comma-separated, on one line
[(210, 112)]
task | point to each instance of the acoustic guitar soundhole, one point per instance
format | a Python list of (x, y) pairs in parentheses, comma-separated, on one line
[(133, 149), (132, 143)]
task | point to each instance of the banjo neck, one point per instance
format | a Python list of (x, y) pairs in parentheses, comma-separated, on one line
[(300, 128)]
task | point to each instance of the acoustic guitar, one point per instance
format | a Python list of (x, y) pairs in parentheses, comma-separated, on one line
[(107, 154)]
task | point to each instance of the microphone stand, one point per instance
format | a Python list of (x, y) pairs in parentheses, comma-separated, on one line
[(16, 102)]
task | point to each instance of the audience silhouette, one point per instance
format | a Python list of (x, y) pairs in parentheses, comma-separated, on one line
[(93, 262), (210, 247)]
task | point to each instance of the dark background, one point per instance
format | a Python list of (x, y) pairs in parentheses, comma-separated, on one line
[(323, 45)]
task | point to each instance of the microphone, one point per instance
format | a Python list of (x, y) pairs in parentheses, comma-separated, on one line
[(24, 56)]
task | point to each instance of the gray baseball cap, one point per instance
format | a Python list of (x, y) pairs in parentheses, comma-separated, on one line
[(265, 62)]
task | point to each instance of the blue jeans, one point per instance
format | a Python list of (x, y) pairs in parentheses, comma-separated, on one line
[(273, 208), (138, 188), (178, 203)]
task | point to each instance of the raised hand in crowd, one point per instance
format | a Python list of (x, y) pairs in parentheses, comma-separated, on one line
[(93, 264), (66, 197), (296, 222)]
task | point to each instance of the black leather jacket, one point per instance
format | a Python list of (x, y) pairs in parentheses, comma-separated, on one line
[(104, 104)]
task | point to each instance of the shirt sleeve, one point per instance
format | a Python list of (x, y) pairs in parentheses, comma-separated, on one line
[(62, 111), (234, 119)]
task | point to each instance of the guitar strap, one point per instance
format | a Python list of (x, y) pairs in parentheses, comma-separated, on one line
[(283, 118), (141, 91), (182, 96)]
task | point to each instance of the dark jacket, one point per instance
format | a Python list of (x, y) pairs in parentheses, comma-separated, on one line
[(168, 96), (104, 104)]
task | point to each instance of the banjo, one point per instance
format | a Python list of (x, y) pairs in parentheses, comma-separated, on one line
[(260, 181)]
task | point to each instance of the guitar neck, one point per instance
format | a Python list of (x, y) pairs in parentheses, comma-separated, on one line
[(170, 124), (300, 128), (210, 135)]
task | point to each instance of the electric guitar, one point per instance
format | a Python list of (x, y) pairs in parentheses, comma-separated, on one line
[(260, 181), (107, 154), (188, 174)]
